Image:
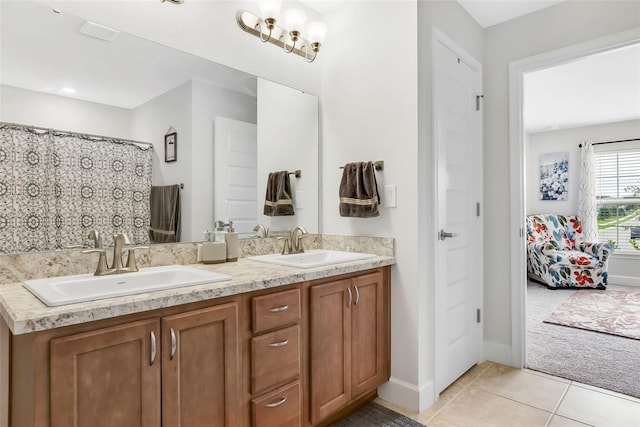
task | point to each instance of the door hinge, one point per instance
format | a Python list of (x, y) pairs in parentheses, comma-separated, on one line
[(478, 209), (521, 232), (478, 316), (478, 97)]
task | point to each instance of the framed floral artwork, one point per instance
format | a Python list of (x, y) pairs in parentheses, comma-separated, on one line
[(554, 176)]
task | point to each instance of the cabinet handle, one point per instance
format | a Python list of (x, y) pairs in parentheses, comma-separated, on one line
[(174, 344), (279, 309), (153, 348), (279, 344), (276, 404), (357, 295), (350, 297)]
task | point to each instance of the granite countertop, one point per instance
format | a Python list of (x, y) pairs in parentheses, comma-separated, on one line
[(24, 313)]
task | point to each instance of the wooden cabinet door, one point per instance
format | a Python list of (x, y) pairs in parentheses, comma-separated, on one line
[(200, 368), (330, 334), (107, 377), (367, 333)]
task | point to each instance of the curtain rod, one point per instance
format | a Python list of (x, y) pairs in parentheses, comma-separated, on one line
[(612, 142), (86, 135)]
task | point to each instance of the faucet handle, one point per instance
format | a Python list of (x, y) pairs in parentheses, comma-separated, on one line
[(102, 261), (286, 247), (131, 257)]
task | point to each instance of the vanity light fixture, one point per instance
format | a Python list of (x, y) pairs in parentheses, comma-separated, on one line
[(289, 37)]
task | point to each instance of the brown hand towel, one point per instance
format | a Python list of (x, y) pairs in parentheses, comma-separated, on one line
[(359, 191), (277, 200), (165, 214)]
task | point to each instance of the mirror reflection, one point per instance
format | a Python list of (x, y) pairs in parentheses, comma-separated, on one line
[(217, 133)]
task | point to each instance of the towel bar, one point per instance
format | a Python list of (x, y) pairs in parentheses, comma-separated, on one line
[(378, 165), (297, 173)]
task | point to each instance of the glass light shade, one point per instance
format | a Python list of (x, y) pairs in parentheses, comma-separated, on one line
[(249, 19), (316, 32), (294, 19), (270, 9)]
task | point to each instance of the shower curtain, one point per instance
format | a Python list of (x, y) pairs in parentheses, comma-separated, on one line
[(57, 186)]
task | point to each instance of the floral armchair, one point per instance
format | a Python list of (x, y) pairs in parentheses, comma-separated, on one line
[(557, 255)]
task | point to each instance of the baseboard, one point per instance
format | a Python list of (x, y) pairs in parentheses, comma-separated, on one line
[(407, 395), (499, 353), (624, 280)]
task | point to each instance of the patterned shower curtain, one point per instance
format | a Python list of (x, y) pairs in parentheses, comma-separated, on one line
[(55, 187)]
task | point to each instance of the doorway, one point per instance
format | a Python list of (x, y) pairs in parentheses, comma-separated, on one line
[(518, 70)]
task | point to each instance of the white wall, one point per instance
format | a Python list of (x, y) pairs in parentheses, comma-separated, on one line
[(376, 105), (208, 102), (561, 25), (62, 113), (286, 144), (150, 122)]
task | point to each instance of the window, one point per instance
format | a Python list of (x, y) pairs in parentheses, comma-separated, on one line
[(618, 192)]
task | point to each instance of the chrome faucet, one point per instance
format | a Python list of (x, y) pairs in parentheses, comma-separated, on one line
[(296, 239), (264, 232), (117, 267)]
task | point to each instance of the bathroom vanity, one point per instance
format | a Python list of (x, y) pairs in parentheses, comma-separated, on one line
[(273, 346)]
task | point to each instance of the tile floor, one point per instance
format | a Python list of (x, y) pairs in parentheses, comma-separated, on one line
[(494, 395)]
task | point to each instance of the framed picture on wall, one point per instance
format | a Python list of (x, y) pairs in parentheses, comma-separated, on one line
[(554, 176), (171, 147)]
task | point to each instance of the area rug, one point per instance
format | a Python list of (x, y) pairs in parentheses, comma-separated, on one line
[(610, 312), (376, 415)]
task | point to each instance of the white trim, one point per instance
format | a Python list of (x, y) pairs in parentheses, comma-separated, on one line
[(437, 36), (497, 352), (624, 280), (414, 398), (518, 249)]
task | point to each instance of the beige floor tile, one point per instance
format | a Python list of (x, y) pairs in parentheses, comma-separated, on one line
[(602, 390), (558, 421), (599, 409), (473, 373), (542, 374), (446, 396), (477, 408), (399, 409), (522, 386)]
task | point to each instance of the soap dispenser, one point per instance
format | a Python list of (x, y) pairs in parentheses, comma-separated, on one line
[(231, 237)]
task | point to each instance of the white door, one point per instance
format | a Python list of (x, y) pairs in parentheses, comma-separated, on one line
[(459, 189), (235, 167)]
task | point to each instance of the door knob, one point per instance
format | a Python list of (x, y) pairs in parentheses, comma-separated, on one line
[(443, 234)]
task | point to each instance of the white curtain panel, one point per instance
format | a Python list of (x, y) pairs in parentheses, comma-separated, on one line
[(587, 205)]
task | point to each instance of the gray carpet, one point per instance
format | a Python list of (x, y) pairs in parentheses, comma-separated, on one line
[(373, 414), (593, 358)]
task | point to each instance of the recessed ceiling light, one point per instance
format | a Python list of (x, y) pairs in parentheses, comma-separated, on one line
[(68, 89)]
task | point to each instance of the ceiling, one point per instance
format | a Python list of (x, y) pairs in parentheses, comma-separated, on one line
[(596, 89), (492, 12), (44, 51)]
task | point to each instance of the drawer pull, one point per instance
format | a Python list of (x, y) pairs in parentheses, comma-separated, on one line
[(153, 348), (279, 344), (276, 404), (279, 309), (174, 344)]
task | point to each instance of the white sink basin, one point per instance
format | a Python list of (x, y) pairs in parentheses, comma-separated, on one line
[(87, 287), (312, 258)]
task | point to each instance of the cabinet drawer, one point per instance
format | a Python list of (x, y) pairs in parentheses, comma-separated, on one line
[(275, 358), (274, 310), (280, 408)]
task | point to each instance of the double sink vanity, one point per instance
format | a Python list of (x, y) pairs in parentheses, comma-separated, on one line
[(270, 340)]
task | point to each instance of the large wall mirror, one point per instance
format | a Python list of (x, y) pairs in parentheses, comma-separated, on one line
[(215, 131)]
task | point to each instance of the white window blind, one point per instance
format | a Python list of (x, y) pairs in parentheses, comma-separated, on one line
[(618, 192)]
